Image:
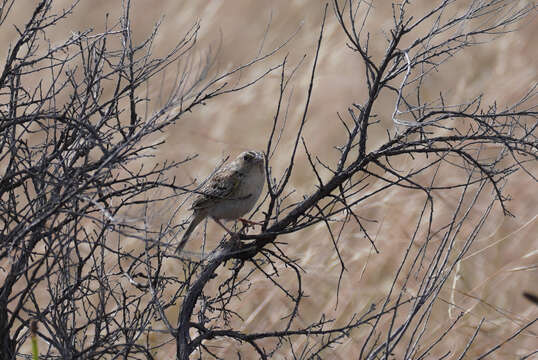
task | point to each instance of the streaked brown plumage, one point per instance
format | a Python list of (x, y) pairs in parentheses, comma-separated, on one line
[(229, 194)]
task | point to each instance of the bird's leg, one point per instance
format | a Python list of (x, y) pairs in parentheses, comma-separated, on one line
[(232, 234), (249, 223)]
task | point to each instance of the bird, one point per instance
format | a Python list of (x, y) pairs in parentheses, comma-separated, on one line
[(229, 194)]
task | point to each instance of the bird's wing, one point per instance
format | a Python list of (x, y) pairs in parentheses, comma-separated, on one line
[(220, 187)]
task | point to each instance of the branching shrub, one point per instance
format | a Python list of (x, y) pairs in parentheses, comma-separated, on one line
[(75, 187)]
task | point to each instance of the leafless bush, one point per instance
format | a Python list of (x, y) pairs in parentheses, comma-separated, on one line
[(74, 132)]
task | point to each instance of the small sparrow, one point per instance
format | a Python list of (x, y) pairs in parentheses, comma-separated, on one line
[(229, 194)]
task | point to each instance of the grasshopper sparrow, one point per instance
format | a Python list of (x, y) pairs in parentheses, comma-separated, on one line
[(229, 194)]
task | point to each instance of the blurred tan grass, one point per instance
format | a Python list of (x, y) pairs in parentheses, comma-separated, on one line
[(502, 263)]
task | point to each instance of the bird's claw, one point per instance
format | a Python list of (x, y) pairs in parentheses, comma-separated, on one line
[(249, 223)]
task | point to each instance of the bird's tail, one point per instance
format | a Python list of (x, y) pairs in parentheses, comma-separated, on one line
[(195, 221)]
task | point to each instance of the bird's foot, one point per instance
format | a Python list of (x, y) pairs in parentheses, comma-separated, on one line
[(249, 223)]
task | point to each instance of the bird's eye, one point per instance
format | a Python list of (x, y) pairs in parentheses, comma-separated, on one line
[(248, 156)]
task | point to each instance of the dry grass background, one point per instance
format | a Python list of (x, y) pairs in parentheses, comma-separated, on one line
[(501, 265)]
